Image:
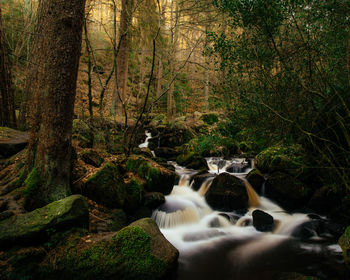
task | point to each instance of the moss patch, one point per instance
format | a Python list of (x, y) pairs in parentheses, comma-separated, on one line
[(144, 169), (71, 211), (126, 256), (277, 158), (32, 185), (106, 187)]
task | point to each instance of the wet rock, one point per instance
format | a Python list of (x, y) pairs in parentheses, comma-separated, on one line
[(158, 178), (192, 160), (256, 179), (154, 199), (262, 221), (106, 187), (320, 227), (91, 157), (68, 212), (200, 178), (290, 193), (12, 141), (165, 152), (227, 193)]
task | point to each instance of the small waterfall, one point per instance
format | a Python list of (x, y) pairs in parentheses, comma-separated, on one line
[(254, 199), (205, 186), (237, 166), (145, 144)]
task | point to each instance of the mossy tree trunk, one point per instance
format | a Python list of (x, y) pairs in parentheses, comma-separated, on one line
[(53, 74), (7, 110)]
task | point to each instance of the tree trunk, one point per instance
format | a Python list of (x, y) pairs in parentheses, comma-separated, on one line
[(159, 77), (51, 84), (7, 109), (123, 55)]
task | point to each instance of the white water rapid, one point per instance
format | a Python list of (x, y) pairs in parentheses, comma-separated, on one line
[(226, 245)]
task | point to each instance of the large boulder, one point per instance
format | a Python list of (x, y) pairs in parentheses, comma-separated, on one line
[(256, 179), (165, 152), (68, 212), (199, 178), (138, 251), (281, 158), (287, 191), (227, 193), (106, 187), (158, 178), (192, 160), (323, 200), (12, 141)]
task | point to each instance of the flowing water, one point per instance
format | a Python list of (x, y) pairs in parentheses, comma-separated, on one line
[(225, 245), (145, 144)]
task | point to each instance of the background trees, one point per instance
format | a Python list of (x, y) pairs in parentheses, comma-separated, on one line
[(279, 70), (7, 110)]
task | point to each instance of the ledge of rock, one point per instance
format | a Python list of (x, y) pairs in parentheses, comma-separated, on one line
[(12, 141), (68, 212)]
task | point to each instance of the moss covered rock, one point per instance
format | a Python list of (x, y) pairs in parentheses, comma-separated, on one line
[(192, 160), (158, 178), (138, 251), (344, 242), (106, 187), (67, 212), (280, 158)]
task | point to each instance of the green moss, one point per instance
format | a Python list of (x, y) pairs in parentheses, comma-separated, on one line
[(134, 249), (210, 118), (344, 242), (275, 158), (106, 187), (142, 168), (184, 158), (126, 256), (135, 192), (32, 184)]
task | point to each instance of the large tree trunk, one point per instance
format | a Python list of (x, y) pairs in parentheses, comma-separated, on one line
[(123, 55), (7, 110), (51, 84)]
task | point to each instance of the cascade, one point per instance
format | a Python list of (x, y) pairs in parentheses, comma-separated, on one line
[(225, 245)]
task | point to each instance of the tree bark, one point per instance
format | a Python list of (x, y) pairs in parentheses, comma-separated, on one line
[(7, 109), (51, 84), (123, 55), (159, 77)]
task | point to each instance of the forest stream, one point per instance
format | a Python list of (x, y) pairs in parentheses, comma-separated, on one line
[(226, 245)]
